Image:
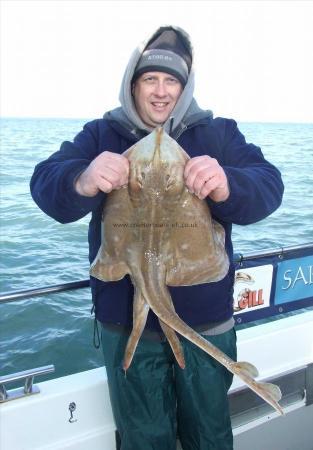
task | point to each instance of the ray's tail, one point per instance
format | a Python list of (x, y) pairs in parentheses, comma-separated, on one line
[(155, 291)]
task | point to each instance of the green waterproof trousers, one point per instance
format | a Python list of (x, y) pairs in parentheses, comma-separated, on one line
[(155, 401)]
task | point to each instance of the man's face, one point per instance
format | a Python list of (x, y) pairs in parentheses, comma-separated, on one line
[(155, 95)]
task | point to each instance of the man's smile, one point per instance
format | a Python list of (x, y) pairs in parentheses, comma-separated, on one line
[(159, 104)]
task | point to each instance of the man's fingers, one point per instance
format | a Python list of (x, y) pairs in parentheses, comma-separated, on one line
[(202, 177), (207, 187), (111, 175), (115, 159), (197, 172), (205, 177), (111, 171), (104, 185), (106, 172), (193, 164)]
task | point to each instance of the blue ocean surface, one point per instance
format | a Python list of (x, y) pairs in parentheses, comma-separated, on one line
[(36, 251)]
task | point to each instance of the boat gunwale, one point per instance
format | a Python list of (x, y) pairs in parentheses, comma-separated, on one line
[(239, 258)]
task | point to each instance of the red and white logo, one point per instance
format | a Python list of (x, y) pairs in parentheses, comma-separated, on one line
[(252, 288)]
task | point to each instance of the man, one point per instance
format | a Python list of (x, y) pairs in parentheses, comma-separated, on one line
[(156, 400)]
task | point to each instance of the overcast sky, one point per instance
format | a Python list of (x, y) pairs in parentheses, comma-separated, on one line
[(66, 58)]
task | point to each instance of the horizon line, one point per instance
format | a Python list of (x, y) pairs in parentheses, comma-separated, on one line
[(95, 118)]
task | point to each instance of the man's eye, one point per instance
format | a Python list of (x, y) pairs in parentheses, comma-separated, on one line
[(172, 80)]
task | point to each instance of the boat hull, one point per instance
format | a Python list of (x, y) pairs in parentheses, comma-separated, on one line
[(47, 421)]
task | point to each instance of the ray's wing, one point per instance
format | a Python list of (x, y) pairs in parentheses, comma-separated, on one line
[(117, 232), (197, 245), (110, 263)]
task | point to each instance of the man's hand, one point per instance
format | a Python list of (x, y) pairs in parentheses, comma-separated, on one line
[(106, 172), (205, 177)]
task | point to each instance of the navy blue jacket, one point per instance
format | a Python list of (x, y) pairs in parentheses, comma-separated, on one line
[(256, 190)]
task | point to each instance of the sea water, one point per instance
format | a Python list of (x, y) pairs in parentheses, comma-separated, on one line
[(36, 251)]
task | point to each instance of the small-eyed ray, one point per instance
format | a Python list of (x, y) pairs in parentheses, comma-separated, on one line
[(161, 235)]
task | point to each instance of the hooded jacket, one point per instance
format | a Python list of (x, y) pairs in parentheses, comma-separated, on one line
[(256, 190)]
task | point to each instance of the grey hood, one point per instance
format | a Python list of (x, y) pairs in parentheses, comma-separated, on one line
[(185, 112)]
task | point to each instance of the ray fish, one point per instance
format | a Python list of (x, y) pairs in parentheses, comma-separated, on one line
[(161, 235)]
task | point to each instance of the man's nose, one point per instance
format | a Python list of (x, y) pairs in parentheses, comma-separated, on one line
[(160, 89)]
